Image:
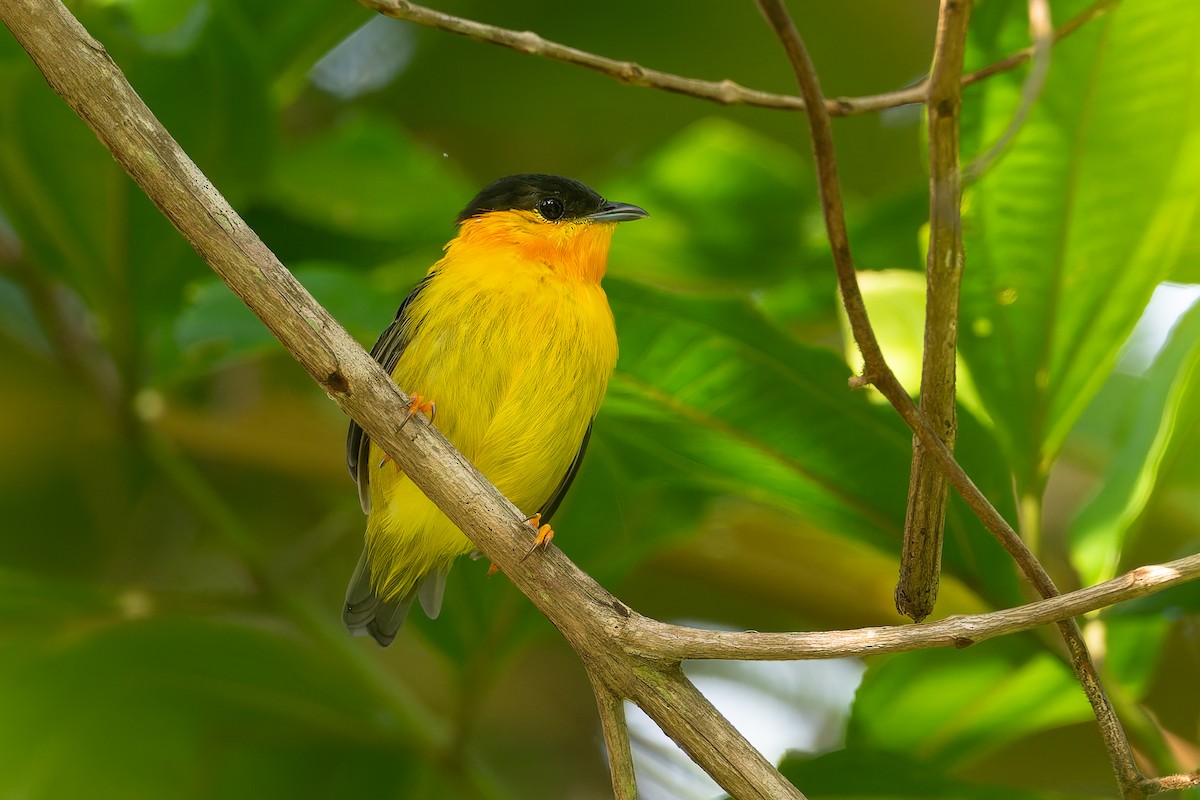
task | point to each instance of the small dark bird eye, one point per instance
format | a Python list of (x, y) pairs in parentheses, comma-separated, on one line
[(551, 208)]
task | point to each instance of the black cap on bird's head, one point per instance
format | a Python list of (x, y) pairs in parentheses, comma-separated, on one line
[(551, 197)]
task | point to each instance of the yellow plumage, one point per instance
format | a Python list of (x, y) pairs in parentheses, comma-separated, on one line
[(517, 355), (512, 337)]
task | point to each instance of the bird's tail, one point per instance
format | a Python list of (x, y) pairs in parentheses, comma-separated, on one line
[(366, 613)]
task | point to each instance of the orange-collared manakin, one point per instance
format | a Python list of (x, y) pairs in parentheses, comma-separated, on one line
[(511, 336)]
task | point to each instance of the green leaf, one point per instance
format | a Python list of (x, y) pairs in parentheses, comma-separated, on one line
[(1187, 268), (954, 707), (77, 215), (626, 506), (1134, 649), (1070, 232), (129, 704), (368, 178), (723, 401), (25, 597), (49, 185), (1154, 407), (216, 328), (733, 404), (970, 551), (291, 37), (727, 208), (890, 233), (886, 237), (867, 774), (1171, 604), (895, 300)]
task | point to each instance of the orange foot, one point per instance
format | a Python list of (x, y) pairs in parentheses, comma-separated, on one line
[(418, 403), (544, 534)]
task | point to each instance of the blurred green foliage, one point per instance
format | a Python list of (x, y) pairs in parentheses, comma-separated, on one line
[(177, 524)]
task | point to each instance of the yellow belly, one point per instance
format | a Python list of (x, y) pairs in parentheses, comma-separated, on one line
[(517, 359)]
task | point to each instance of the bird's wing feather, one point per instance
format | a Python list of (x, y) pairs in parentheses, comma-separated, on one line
[(560, 491), (387, 352)]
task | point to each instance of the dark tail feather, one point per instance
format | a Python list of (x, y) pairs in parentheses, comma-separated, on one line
[(365, 614)]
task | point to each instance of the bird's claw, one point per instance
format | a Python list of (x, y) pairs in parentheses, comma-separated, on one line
[(544, 534), (419, 403)]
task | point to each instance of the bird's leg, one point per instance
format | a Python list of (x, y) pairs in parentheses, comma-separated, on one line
[(418, 403), (544, 534)]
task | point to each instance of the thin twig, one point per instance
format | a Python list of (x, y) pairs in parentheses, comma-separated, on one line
[(1041, 30), (877, 372), (921, 555), (726, 92), (1171, 783), (616, 740), (1021, 56), (649, 637)]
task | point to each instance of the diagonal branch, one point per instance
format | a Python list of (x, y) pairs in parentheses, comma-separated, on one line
[(726, 92), (877, 372), (925, 517), (79, 69)]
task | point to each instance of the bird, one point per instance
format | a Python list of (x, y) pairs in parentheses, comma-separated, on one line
[(507, 345)]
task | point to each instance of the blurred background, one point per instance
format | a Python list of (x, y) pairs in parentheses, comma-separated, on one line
[(177, 526)]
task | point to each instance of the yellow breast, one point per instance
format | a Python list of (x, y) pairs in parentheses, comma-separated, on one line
[(513, 339)]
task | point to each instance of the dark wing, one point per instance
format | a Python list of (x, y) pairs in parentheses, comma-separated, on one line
[(560, 491), (387, 352)]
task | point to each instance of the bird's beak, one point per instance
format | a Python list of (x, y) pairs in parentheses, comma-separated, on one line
[(617, 212)]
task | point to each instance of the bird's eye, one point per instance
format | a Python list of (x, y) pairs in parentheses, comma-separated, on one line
[(550, 208)]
